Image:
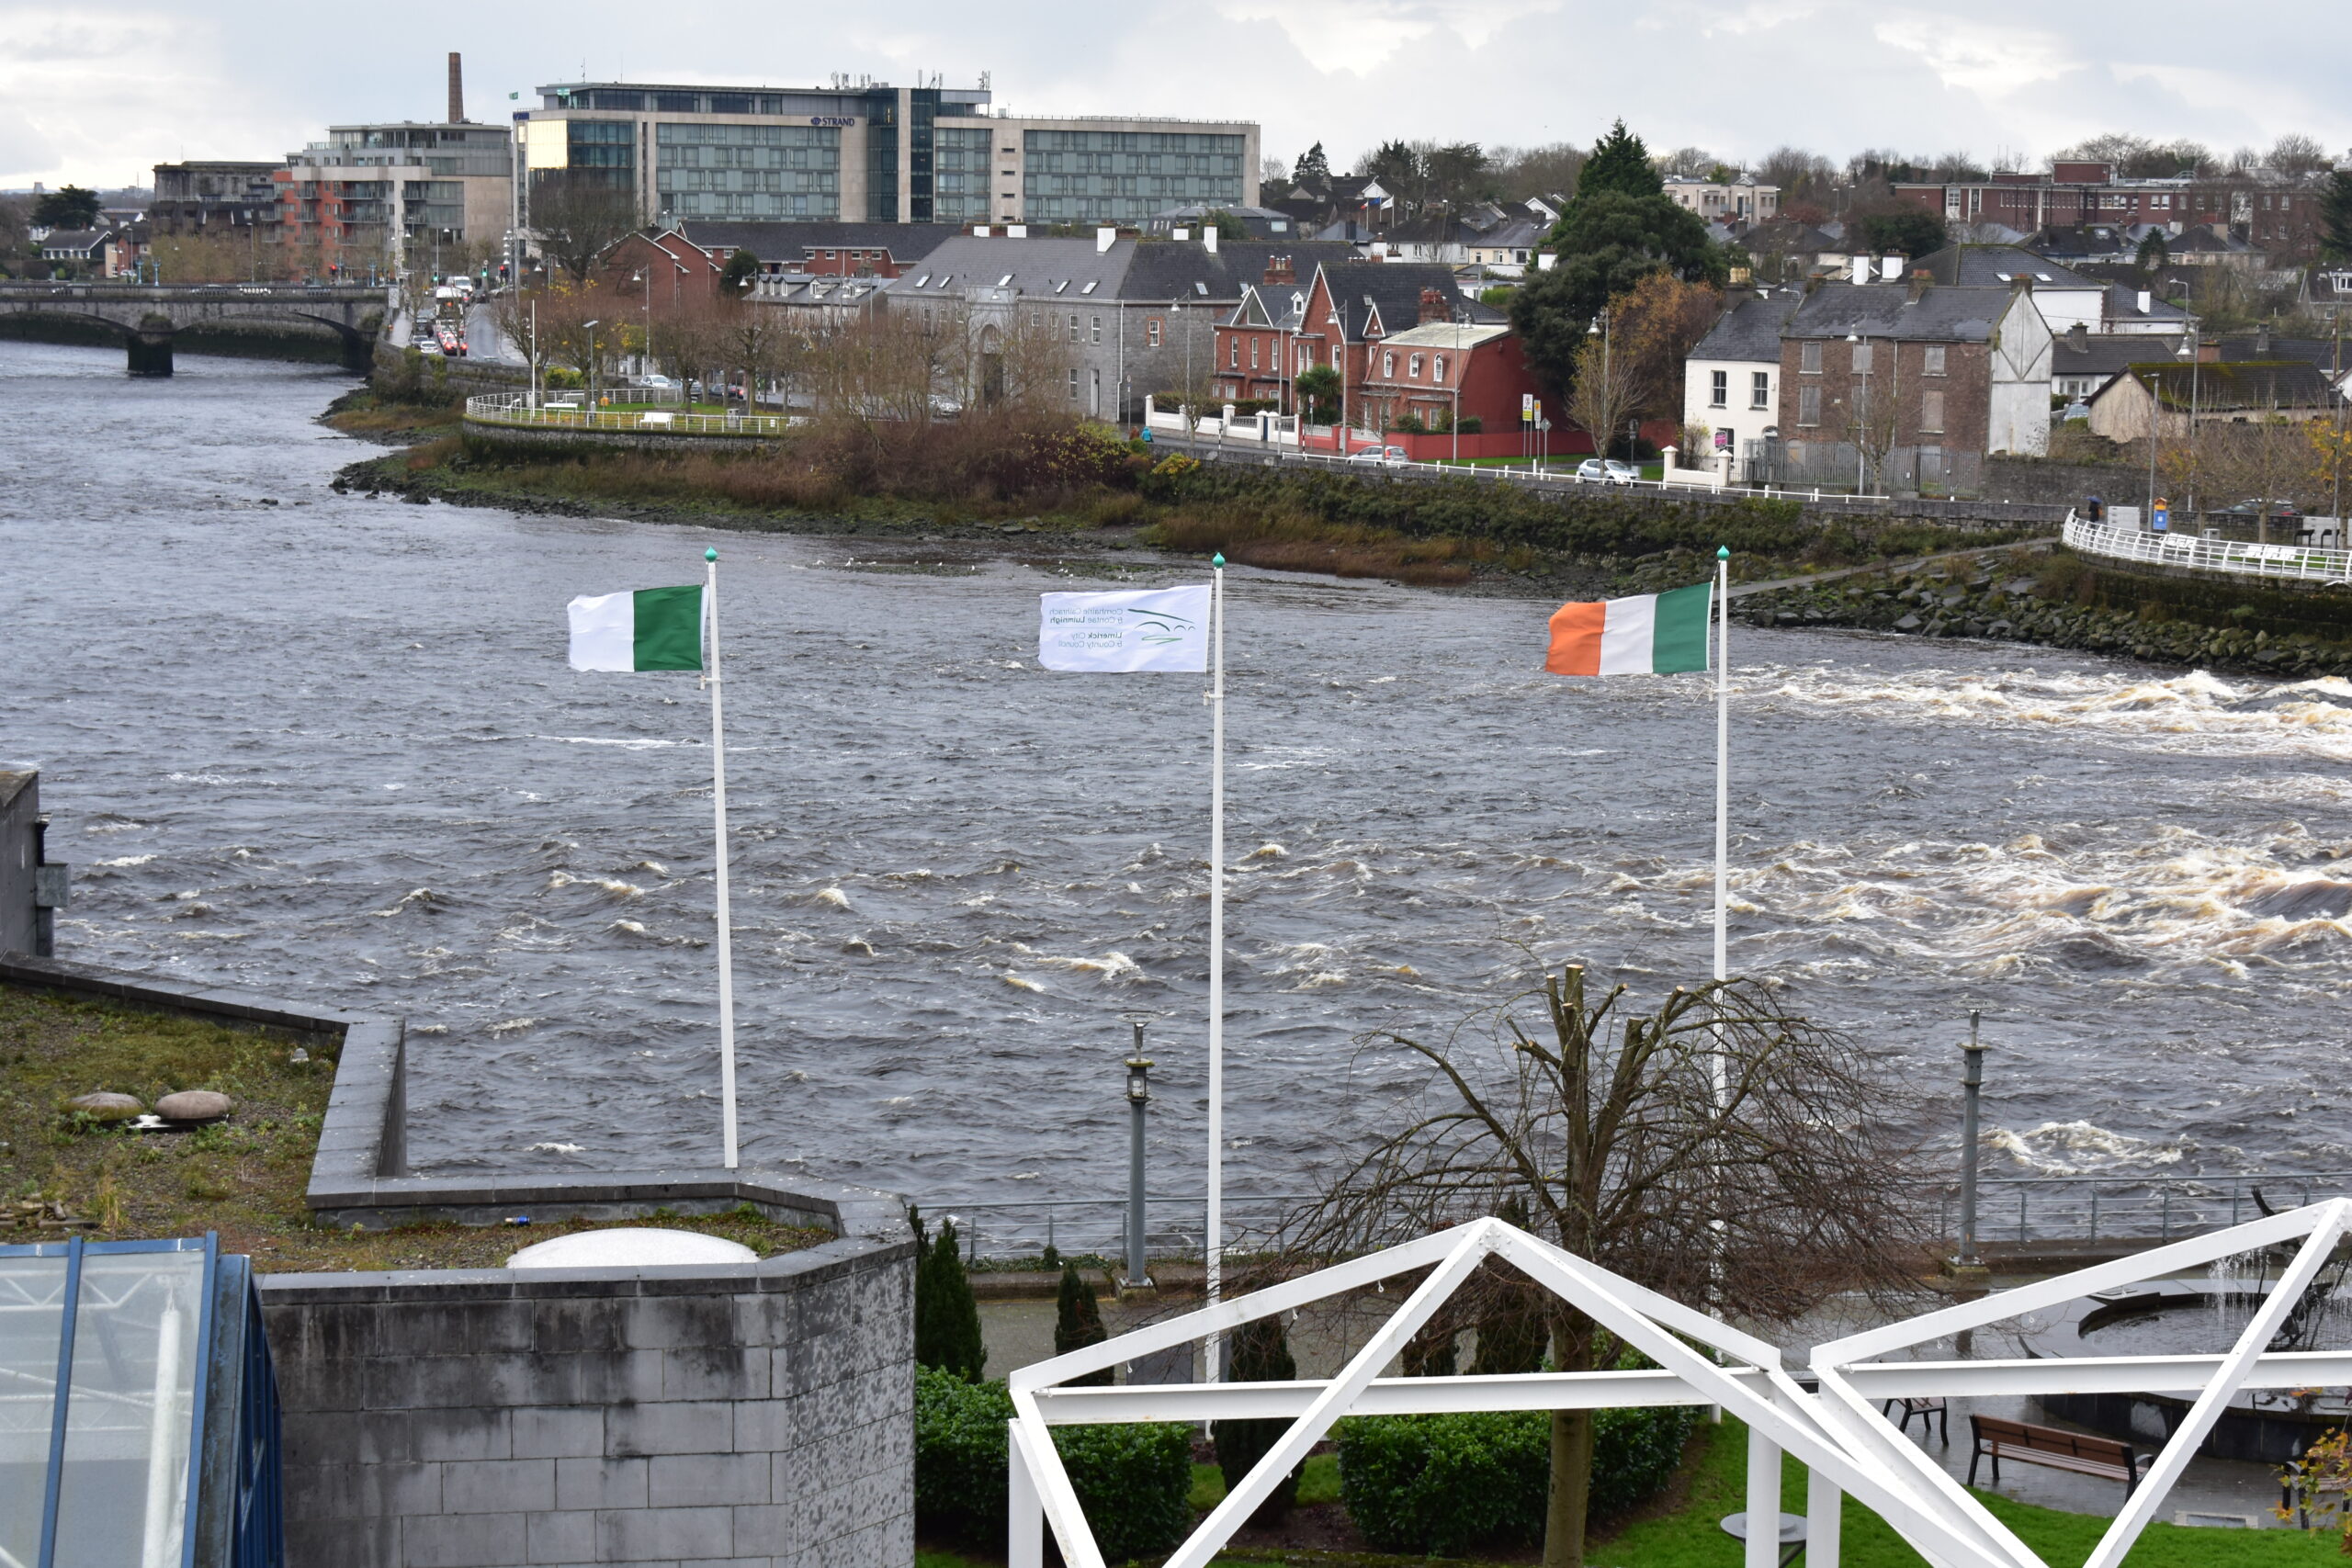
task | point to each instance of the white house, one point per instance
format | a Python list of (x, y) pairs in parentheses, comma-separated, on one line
[(1731, 383)]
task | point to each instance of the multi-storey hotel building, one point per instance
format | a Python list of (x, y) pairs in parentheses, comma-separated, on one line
[(868, 152)]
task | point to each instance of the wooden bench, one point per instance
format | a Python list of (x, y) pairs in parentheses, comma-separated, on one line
[(2102, 1457), (1931, 1412)]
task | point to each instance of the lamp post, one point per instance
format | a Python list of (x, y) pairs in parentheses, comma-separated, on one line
[(591, 327), (1861, 350), (2156, 409), (1600, 327), (1138, 1096), (1971, 1082)]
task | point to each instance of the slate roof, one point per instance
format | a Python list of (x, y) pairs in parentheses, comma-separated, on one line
[(1992, 266), (1392, 291), (1057, 269), (785, 242), (2123, 304), (1887, 310), (1445, 334), (83, 241), (1521, 234), (2097, 354), (2325, 353), (1187, 271), (1750, 330), (2220, 389)]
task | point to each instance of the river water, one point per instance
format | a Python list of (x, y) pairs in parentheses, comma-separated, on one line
[(330, 748)]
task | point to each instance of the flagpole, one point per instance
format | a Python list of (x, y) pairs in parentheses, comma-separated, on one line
[(1213, 1250), (1723, 763), (719, 819)]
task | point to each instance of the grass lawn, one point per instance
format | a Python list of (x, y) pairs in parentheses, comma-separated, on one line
[(243, 1178), (1691, 1536)]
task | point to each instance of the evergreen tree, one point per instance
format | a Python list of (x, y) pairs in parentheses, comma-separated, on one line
[(947, 1320), (1258, 1353), (1078, 1323), (2335, 217), (1608, 241), (1619, 163), (68, 207), (2154, 257), (1910, 233), (1313, 170)]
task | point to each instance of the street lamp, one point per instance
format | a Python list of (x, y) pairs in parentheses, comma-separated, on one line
[(1600, 328), (591, 327), (1138, 1096), (1862, 422)]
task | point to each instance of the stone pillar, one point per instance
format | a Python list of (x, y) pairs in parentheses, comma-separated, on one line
[(149, 346)]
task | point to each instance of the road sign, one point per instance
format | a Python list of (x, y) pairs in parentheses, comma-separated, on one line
[(2160, 515)]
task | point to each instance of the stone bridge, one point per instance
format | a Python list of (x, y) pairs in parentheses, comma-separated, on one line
[(147, 317)]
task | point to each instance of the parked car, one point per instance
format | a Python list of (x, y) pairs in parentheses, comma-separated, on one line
[(1606, 470), (1382, 456), (657, 383)]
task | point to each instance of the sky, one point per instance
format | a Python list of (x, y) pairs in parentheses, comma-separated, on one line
[(95, 92)]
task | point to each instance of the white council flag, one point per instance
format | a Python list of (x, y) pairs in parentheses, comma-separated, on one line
[(1156, 629)]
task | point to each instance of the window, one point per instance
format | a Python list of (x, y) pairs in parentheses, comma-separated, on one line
[(1094, 331), (1934, 356), (1760, 389), (1233, 353), (1808, 405), (1931, 411), (1388, 366), (1151, 331), (1073, 385), (1413, 367), (1254, 354), (1036, 320), (1809, 357), (1073, 334), (1718, 388), (1437, 368), (1861, 359)]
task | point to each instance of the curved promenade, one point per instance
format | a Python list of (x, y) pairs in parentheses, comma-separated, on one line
[(2296, 562), (511, 412)]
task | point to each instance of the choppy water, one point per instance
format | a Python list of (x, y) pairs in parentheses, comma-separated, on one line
[(330, 748)]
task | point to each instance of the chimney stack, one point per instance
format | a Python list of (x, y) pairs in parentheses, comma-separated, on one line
[(1279, 270), (1104, 239), (1209, 237), (457, 88), (1433, 308), (1921, 279)]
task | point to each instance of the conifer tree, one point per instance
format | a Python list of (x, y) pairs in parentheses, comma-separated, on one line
[(1078, 1323), (947, 1320), (1313, 170), (2335, 217), (1260, 1352), (1619, 163)]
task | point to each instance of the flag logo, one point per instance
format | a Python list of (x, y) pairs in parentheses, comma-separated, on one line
[(1145, 629)]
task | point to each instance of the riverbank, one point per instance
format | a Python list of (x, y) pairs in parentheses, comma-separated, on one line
[(1085, 494), (2060, 600)]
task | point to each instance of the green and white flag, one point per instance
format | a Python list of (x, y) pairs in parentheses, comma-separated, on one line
[(652, 628)]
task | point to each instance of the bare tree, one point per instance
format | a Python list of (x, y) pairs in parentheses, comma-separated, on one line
[(1722, 1150), (1657, 323), (1607, 387), (576, 221), (1547, 171), (2295, 154), (1872, 421), (1693, 161)]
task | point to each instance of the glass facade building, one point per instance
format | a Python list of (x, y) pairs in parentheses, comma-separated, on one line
[(718, 170), (138, 1409), (960, 181), (1125, 176)]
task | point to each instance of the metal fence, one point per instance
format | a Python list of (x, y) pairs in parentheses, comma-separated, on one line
[(2075, 1210), (2229, 556), (509, 410)]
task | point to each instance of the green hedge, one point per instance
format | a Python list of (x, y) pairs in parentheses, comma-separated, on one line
[(1132, 1480), (1444, 1484)]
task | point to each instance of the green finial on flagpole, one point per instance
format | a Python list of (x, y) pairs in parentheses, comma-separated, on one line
[(711, 555), (1218, 561), (1722, 552)]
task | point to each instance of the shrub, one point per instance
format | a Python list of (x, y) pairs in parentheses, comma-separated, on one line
[(1470, 424), (1167, 478), (1078, 1322), (1409, 424), (1260, 1354), (1441, 1484), (1132, 1481), (947, 1320)]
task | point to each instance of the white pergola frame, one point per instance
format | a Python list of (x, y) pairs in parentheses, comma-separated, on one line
[(1837, 1432)]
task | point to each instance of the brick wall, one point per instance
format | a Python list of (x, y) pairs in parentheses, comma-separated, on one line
[(1966, 385), (744, 1415)]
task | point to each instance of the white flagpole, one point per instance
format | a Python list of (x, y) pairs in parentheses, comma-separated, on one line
[(1723, 763), (719, 818), (1213, 1251)]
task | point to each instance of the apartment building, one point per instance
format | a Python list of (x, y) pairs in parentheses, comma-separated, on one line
[(392, 193), (866, 151), (213, 194), (2273, 213), (1735, 202)]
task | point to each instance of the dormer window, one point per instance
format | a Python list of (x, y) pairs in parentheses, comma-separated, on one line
[(1090, 285)]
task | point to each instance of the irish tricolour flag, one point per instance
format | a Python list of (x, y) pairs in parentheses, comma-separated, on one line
[(652, 628), (1649, 634)]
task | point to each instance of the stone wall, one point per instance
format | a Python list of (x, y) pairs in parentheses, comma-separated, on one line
[(2045, 483), (756, 1413)]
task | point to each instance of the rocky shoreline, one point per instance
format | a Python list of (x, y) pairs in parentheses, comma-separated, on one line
[(2017, 596)]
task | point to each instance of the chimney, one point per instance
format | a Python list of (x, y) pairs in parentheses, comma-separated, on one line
[(1279, 270), (1208, 238), (1179, 235), (1104, 239), (1860, 266), (1433, 308), (1921, 281), (1016, 231), (980, 230), (457, 88), (2022, 283), (2077, 335), (2144, 299)]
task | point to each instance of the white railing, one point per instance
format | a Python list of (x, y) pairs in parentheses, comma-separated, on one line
[(2232, 555), (514, 411)]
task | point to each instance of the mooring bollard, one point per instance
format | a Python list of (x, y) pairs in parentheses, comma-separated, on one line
[(1138, 1096)]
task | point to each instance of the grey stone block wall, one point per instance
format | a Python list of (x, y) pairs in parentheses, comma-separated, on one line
[(746, 1415)]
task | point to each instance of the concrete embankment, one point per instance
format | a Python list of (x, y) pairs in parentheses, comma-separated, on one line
[(2060, 600)]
